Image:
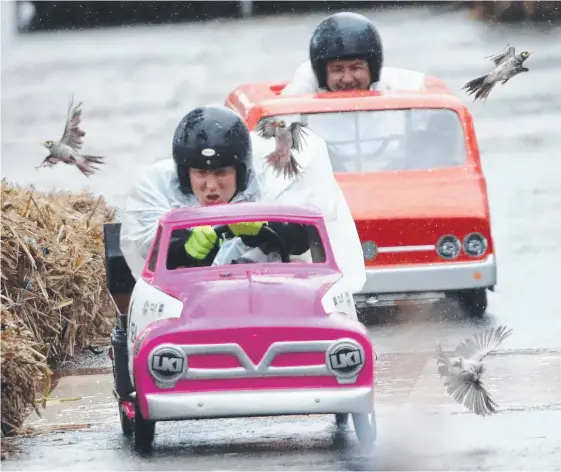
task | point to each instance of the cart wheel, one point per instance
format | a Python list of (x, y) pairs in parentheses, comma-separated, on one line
[(127, 425), (143, 432), (365, 427), (473, 301), (341, 419)]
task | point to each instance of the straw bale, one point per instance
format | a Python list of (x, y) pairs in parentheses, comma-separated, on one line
[(53, 297)]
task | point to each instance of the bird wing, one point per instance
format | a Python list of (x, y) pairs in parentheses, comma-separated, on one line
[(480, 345), (72, 135), (473, 395), (265, 128), (49, 161), (298, 132), (501, 57)]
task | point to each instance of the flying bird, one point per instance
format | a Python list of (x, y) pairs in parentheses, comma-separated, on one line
[(507, 65), (287, 138), (462, 373), (67, 150)]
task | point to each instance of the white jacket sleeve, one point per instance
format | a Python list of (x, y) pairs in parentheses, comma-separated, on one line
[(322, 190), (150, 198), (303, 82), (317, 186)]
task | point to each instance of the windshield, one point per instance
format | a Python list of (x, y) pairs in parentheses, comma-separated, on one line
[(389, 140), (268, 246)]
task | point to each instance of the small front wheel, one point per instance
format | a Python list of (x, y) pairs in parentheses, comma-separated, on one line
[(473, 301), (144, 431), (127, 425), (365, 428)]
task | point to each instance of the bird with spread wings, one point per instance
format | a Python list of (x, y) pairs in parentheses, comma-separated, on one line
[(462, 372), (287, 139), (68, 149)]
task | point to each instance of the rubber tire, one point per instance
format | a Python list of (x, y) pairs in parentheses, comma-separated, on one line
[(473, 301), (123, 384), (365, 428), (341, 419), (127, 425), (144, 431)]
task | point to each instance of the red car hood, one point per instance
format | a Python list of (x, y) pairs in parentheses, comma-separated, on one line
[(415, 194), (258, 297)]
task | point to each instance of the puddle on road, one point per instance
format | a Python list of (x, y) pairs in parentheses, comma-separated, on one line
[(81, 400)]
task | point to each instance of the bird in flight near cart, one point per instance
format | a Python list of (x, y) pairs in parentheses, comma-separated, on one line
[(68, 149), (507, 65), (287, 139), (462, 372)]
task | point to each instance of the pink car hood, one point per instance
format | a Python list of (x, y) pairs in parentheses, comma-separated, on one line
[(251, 295)]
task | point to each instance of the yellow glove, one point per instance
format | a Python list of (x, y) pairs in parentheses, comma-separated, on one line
[(247, 229), (200, 242)]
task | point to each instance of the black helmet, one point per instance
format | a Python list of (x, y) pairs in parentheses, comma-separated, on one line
[(345, 36), (212, 137)]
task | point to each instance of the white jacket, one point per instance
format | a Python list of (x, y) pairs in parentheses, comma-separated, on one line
[(391, 78), (157, 191), (317, 186)]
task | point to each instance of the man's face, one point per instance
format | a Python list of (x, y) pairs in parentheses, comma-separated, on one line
[(350, 74), (212, 187)]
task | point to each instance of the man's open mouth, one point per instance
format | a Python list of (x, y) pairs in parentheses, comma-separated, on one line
[(348, 87), (214, 198)]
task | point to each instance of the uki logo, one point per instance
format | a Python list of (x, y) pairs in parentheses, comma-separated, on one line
[(167, 363), (345, 358)]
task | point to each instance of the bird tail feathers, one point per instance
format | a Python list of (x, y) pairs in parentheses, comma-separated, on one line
[(86, 169), (86, 165), (479, 87), (474, 84), (283, 164), (96, 159)]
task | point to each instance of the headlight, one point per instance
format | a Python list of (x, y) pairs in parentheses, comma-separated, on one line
[(475, 244), (448, 247), (345, 358), (167, 364), (369, 249)]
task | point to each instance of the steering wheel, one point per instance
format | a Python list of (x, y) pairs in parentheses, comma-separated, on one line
[(267, 234)]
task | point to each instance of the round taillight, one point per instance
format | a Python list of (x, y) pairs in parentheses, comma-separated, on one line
[(369, 249), (448, 247), (475, 244)]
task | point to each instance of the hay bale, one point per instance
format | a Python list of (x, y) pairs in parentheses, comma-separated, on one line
[(53, 293)]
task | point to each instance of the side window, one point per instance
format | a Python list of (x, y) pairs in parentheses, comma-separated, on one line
[(154, 255), (316, 247)]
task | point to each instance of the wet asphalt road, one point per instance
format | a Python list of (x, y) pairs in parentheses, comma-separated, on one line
[(137, 83)]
